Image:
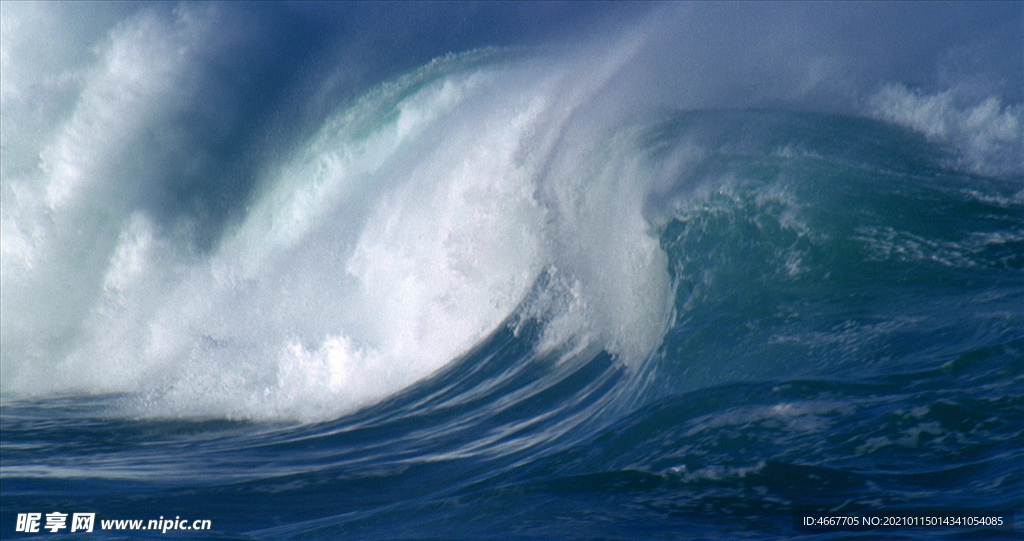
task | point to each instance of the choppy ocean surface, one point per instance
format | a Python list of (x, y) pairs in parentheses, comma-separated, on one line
[(522, 272)]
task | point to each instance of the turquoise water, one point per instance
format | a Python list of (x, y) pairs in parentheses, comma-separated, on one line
[(476, 301)]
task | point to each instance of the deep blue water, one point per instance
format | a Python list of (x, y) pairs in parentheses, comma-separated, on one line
[(508, 293)]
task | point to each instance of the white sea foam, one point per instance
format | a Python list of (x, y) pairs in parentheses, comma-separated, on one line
[(988, 133), (410, 227), (99, 133)]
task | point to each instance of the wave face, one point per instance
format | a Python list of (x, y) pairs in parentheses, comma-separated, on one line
[(635, 272)]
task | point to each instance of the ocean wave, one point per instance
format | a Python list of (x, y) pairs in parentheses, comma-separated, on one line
[(517, 271), (159, 240)]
